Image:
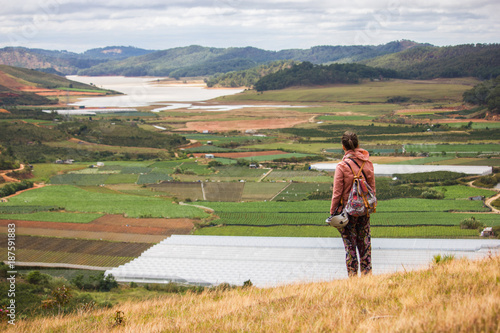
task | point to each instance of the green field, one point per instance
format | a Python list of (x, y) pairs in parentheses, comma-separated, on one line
[(299, 176), (375, 92), (327, 231), (462, 191), (454, 148), (476, 125), (43, 171), (75, 199)]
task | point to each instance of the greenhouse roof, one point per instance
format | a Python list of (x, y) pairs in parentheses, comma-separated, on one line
[(272, 261), (393, 169)]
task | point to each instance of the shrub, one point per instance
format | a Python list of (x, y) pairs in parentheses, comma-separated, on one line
[(496, 231), (471, 223), (432, 194), (95, 282), (438, 259), (35, 277)]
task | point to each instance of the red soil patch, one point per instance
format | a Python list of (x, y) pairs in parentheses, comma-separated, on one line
[(9, 82), (242, 125), (116, 224), (4, 111), (192, 145), (244, 154)]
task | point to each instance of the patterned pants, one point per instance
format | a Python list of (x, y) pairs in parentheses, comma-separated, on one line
[(356, 235)]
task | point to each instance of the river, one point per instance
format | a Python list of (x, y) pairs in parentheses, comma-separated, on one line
[(145, 91)]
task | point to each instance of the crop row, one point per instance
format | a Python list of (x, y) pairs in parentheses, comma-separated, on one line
[(23, 255), (396, 219), (25, 209), (317, 206), (326, 231), (83, 246)]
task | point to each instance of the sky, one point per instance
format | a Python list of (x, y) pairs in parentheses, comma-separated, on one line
[(79, 25)]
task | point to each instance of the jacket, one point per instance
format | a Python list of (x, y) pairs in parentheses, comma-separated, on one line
[(343, 178)]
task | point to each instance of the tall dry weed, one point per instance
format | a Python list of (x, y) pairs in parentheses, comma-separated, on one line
[(457, 296)]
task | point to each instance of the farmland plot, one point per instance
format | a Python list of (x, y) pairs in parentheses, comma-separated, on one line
[(299, 191), (327, 231), (79, 179), (74, 251), (261, 191), (299, 176), (181, 190), (223, 191), (78, 200)]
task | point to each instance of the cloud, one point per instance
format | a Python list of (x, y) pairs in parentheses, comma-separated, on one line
[(272, 24)]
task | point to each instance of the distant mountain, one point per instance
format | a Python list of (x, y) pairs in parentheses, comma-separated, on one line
[(57, 62), (64, 62), (427, 62), (197, 60), (115, 52), (411, 59)]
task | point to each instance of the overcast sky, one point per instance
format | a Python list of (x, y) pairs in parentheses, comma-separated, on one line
[(79, 25)]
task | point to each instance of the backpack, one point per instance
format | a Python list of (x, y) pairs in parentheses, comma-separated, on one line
[(362, 200)]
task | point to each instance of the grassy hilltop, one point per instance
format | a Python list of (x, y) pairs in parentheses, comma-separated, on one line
[(449, 296)]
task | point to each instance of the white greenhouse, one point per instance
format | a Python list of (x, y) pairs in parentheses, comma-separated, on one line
[(394, 169), (272, 261)]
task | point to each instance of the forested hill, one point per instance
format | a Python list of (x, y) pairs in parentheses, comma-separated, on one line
[(306, 74), (248, 77), (477, 60), (64, 62), (411, 59), (202, 61)]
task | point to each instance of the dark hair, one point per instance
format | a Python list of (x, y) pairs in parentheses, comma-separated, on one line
[(350, 140)]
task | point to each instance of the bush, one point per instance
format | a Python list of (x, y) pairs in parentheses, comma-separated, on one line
[(471, 223), (488, 181), (214, 163), (95, 282), (14, 187), (432, 194), (496, 231), (35, 277)]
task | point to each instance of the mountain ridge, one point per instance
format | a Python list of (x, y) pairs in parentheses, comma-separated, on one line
[(189, 60)]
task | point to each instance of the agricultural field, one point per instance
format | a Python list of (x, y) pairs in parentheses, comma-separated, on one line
[(406, 217), (127, 205), (300, 191), (374, 92), (454, 148), (299, 176), (75, 199), (32, 249), (262, 191), (100, 240)]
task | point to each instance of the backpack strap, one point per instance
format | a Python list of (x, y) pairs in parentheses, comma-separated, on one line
[(360, 169)]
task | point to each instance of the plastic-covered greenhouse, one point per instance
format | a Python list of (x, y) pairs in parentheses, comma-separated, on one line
[(272, 261), (394, 169)]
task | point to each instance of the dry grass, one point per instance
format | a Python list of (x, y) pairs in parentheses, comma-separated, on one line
[(459, 296)]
